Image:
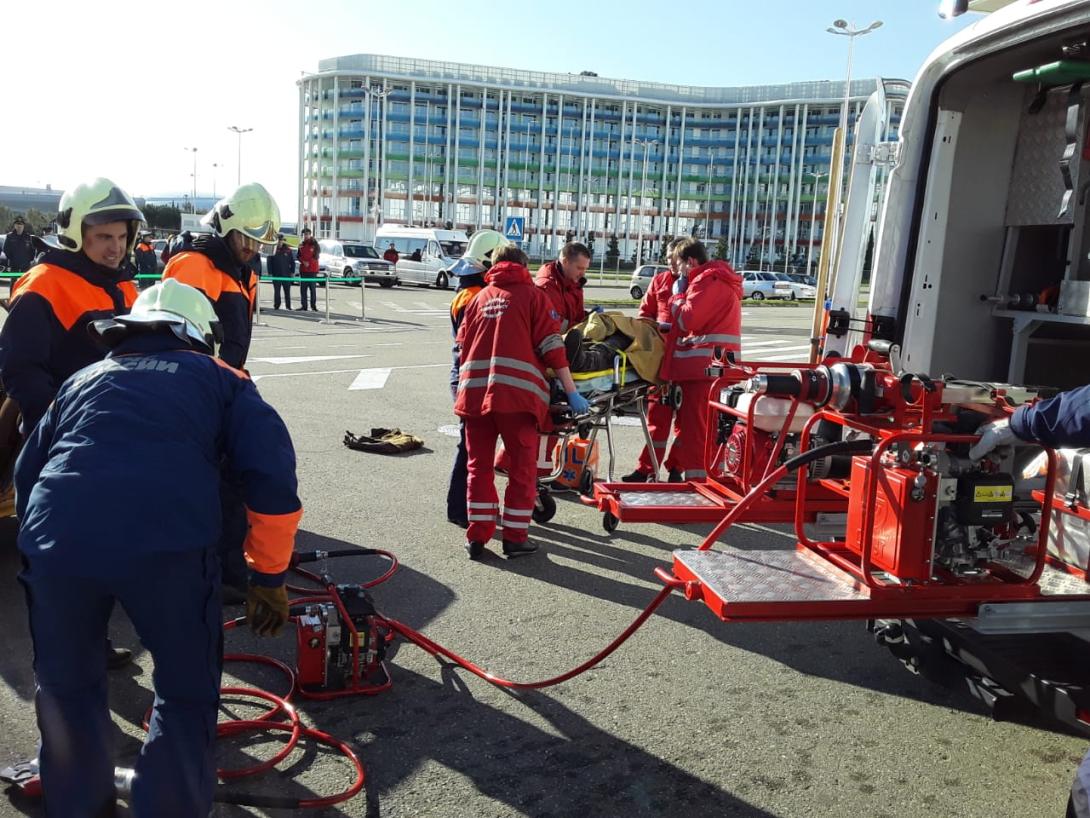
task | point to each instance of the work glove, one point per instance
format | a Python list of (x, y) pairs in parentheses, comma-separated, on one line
[(681, 284), (578, 404), (992, 436), (597, 308), (665, 326), (267, 609)]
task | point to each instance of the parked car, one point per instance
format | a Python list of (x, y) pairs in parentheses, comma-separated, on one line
[(802, 278), (797, 289), (641, 278), (760, 285), (344, 258), (426, 254)]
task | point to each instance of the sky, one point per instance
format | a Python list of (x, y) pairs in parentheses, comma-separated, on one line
[(121, 89)]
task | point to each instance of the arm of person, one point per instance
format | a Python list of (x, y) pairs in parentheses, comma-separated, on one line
[(25, 350), (696, 307), (261, 457), (1063, 420)]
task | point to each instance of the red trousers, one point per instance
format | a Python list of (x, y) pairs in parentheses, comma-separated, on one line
[(520, 441), (691, 430), (659, 419)]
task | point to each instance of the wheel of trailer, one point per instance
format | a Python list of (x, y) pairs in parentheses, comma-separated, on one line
[(586, 483), (544, 506), (441, 280), (610, 522)]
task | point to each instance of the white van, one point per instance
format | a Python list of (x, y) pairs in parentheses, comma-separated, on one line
[(425, 254)]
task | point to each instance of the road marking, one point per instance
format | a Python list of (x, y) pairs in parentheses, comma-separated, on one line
[(256, 378), (749, 344), (370, 379), (450, 431), (305, 359), (376, 378)]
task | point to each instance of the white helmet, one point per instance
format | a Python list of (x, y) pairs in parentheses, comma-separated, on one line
[(250, 210), (483, 244), (186, 310), (97, 202)]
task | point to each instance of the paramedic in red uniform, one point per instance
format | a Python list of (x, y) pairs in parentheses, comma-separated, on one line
[(507, 339), (655, 308), (705, 315)]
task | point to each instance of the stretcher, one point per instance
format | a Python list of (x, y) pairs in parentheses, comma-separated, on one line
[(610, 393)]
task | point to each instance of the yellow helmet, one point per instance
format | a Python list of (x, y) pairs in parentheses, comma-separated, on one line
[(186, 310), (250, 210), (483, 244), (99, 201)]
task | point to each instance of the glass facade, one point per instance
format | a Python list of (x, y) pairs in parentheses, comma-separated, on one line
[(421, 142)]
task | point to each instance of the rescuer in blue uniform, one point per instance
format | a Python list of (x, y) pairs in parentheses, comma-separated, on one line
[(160, 412)]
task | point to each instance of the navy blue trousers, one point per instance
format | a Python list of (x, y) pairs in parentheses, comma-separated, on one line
[(459, 476), (173, 601)]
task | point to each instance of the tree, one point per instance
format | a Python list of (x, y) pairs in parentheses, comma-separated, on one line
[(721, 247), (753, 255), (163, 217), (613, 249), (569, 237)]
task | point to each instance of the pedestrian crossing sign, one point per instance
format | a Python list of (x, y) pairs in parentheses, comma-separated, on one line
[(513, 228)]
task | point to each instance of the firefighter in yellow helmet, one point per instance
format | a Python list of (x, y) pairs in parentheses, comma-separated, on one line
[(217, 264)]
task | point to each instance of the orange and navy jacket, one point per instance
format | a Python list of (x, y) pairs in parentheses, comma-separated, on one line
[(656, 301), (507, 338), (231, 287), (45, 338), (707, 315), (466, 292), (159, 415), (565, 296)]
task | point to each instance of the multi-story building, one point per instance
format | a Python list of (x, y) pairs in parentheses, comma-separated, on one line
[(421, 142)]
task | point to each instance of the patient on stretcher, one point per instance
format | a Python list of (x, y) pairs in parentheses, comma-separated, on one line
[(596, 346)]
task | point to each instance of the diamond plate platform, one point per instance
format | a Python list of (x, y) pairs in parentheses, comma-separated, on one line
[(674, 499)]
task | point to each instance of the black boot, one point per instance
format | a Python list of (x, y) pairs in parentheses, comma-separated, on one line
[(474, 549), (675, 477), (573, 346), (518, 549), (636, 477), (117, 658)]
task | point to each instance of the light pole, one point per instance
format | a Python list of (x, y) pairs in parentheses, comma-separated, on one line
[(646, 143), (214, 166), (378, 93), (843, 29), (813, 219), (194, 174), (239, 131)]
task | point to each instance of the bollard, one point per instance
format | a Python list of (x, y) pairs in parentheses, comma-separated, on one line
[(363, 304), (326, 288), (257, 304)]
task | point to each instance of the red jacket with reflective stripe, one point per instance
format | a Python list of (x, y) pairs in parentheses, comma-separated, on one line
[(507, 338), (707, 315), (565, 297), (656, 301)]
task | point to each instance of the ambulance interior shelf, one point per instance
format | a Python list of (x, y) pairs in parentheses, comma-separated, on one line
[(999, 258)]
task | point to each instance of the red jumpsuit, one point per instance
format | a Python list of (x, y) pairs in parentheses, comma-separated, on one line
[(507, 338), (706, 316), (655, 307)]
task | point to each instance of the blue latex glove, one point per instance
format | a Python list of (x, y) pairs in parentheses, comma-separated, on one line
[(597, 308), (681, 284), (664, 327), (578, 404)]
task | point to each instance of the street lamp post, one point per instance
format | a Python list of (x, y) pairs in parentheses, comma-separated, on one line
[(194, 174), (813, 220), (214, 166), (378, 93), (239, 131), (646, 143), (843, 29)]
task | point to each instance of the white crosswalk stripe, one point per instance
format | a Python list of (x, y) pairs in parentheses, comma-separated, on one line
[(774, 349)]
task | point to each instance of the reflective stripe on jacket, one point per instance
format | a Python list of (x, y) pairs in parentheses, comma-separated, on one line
[(45, 338), (565, 297), (231, 288), (707, 315), (127, 461), (507, 340)]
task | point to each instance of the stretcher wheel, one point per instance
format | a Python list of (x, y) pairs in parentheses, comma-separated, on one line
[(544, 506), (586, 483), (675, 396), (610, 522)]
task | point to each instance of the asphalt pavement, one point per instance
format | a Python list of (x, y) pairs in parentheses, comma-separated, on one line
[(690, 716)]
